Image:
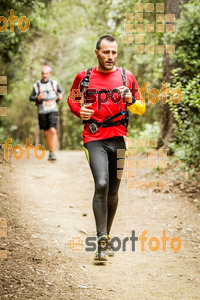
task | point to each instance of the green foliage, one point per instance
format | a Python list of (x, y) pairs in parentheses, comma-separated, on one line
[(13, 49), (11, 42), (186, 144), (148, 131), (187, 41)]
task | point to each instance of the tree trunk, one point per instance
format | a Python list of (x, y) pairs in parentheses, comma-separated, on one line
[(166, 121)]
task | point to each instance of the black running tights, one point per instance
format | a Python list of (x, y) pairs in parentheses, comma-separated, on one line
[(102, 156)]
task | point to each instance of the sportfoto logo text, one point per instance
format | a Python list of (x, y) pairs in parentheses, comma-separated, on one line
[(23, 22), (18, 151), (153, 243), (153, 95)]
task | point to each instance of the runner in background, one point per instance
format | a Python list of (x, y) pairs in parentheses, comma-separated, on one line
[(47, 93)]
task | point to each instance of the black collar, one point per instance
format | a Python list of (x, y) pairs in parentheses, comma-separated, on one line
[(44, 81)]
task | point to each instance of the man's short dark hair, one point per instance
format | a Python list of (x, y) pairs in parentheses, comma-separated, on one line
[(105, 37)]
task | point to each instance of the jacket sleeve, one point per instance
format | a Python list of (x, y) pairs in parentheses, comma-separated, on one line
[(33, 96), (59, 89), (139, 106), (74, 99)]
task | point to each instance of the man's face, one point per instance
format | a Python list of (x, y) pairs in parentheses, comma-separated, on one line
[(107, 54), (45, 75)]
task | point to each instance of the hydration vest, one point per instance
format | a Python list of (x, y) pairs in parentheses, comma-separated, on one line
[(109, 122), (49, 104)]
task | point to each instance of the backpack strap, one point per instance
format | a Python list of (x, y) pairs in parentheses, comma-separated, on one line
[(38, 87), (85, 81), (53, 86), (88, 72), (123, 72)]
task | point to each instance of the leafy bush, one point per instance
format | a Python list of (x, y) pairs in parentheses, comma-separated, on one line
[(186, 144), (187, 41), (149, 131)]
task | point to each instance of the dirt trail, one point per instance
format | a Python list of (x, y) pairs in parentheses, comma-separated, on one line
[(46, 204)]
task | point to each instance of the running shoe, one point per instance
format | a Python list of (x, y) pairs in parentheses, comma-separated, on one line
[(51, 156), (102, 250), (111, 252)]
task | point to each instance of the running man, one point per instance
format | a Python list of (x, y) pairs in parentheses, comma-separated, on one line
[(46, 93), (104, 114)]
